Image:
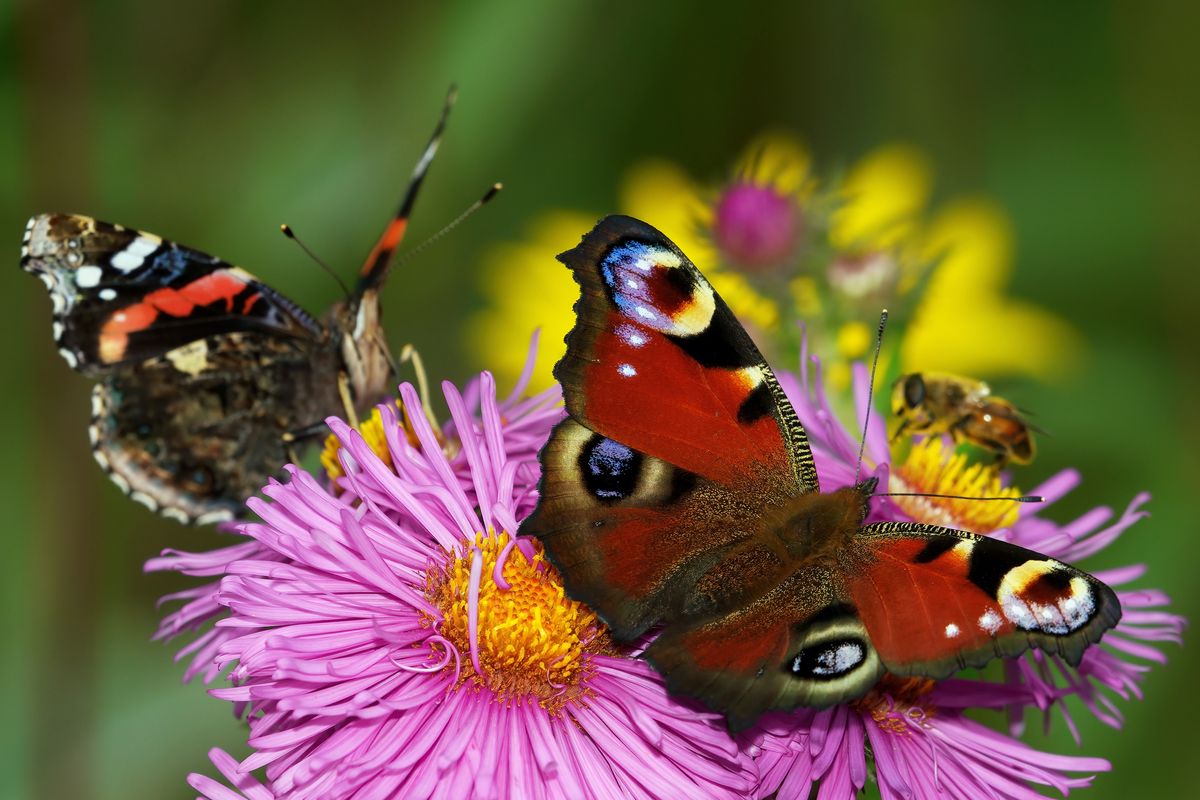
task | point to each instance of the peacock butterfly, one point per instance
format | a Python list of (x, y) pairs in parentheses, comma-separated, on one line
[(681, 491)]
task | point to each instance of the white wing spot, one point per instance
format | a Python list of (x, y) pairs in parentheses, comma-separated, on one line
[(213, 517), (132, 256), (990, 621), (108, 294), (176, 514), (951, 631), (144, 499), (627, 370), (69, 357), (88, 276)]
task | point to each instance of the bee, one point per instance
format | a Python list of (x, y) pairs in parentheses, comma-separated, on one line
[(933, 403)]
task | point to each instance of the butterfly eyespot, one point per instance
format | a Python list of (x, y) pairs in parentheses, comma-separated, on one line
[(610, 469), (829, 660)]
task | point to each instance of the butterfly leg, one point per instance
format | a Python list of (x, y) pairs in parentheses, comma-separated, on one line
[(308, 431), (409, 353), (347, 399)]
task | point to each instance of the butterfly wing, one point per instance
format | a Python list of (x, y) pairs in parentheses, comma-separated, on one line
[(935, 600), (904, 598), (193, 433), (679, 436), (122, 296)]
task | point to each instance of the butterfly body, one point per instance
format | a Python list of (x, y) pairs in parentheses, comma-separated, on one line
[(681, 492), (206, 376)]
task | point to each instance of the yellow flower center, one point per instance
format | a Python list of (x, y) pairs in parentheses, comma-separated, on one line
[(896, 702), (934, 468), (372, 433), (533, 641)]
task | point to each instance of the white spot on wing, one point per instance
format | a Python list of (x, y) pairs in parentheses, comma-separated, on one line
[(213, 517), (627, 370), (990, 621), (631, 335), (176, 514), (57, 328), (951, 631), (144, 499), (88, 276), (108, 294), (132, 256), (69, 357), (190, 359)]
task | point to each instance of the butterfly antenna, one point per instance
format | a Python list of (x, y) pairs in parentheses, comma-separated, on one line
[(291, 234), (379, 261), (862, 445), (1025, 498), (492, 191)]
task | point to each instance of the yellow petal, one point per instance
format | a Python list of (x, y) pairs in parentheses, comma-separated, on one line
[(776, 158), (882, 195), (660, 193), (964, 322), (528, 289)]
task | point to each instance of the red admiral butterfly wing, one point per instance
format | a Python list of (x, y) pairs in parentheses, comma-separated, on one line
[(681, 492), (203, 369)]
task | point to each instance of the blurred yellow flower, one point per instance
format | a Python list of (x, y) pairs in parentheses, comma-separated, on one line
[(655, 191), (963, 321), (866, 241)]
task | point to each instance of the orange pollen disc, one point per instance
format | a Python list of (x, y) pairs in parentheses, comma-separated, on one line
[(534, 643), (934, 468), (897, 703)]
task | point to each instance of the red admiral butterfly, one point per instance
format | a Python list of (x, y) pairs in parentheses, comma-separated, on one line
[(205, 373), (681, 491)]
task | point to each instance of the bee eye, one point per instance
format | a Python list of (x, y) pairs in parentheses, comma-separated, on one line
[(914, 390)]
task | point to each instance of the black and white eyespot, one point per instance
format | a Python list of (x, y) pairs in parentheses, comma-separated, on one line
[(830, 659), (831, 656)]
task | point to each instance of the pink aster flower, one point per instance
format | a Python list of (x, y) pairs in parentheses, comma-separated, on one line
[(399, 643), (921, 740)]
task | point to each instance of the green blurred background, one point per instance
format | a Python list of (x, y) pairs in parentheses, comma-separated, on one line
[(212, 122)]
